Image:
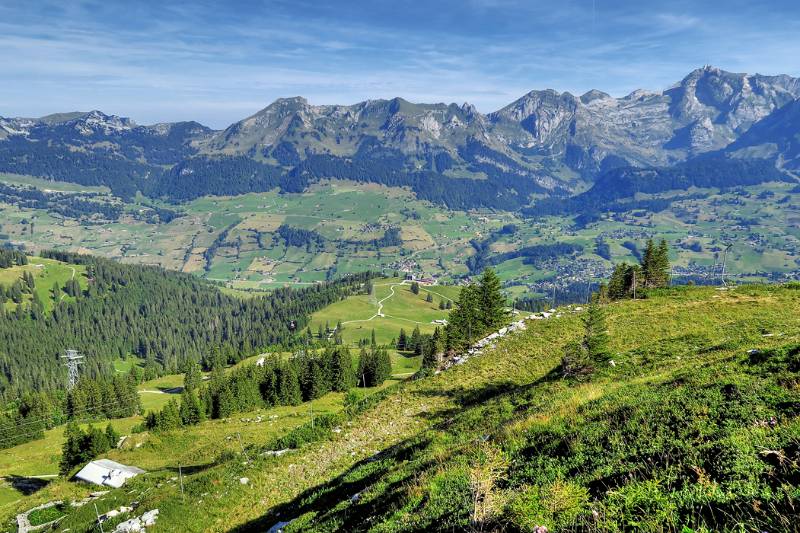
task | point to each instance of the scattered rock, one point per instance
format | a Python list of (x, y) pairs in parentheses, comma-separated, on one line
[(244, 480)]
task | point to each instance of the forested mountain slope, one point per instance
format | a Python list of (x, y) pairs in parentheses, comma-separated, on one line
[(691, 421), (165, 318)]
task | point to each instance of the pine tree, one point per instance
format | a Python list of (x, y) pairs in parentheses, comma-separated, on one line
[(191, 411), (365, 368), (342, 376), (576, 362), (226, 403), (595, 337), (401, 340), (441, 305), (648, 263), (372, 337), (383, 367), (491, 301), (415, 287), (429, 298), (617, 285), (71, 455), (192, 377), (112, 436), (464, 325), (661, 267), (416, 341), (289, 385), (433, 347)]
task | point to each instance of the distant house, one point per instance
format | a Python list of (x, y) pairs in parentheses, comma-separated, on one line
[(107, 472)]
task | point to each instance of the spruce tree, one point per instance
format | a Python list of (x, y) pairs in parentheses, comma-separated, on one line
[(648, 263), (343, 376), (492, 303), (71, 449), (192, 377), (289, 385), (112, 436), (595, 337), (401, 340)]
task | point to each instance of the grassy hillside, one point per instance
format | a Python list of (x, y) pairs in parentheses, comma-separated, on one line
[(46, 272), (688, 427), (391, 307)]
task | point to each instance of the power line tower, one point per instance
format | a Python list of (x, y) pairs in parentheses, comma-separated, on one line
[(72, 359)]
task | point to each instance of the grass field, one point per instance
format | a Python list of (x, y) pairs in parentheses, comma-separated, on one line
[(46, 272), (391, 307), (413, 457)]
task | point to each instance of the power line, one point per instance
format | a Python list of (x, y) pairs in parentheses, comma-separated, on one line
[(23, 436)]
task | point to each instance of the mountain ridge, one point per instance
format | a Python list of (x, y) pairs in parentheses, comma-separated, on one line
[(546, 141)]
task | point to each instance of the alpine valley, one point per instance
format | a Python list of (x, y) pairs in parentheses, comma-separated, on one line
[(551, 190)]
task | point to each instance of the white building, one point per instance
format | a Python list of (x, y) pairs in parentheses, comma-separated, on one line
[(107, 472)]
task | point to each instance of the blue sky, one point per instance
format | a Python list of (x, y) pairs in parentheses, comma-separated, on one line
[(215, 63)]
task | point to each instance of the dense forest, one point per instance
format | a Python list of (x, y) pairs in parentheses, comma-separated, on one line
[(165, 318)]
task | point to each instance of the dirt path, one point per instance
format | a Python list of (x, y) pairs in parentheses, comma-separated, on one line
[(379, 312), (71, 278)]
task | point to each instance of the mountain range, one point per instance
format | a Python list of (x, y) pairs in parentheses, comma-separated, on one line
[(544, 144)]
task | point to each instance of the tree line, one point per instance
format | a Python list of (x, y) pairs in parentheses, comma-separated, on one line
[(275, 381), (653, 271)]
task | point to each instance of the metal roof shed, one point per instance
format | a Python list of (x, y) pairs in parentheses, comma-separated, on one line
[(107, 472)]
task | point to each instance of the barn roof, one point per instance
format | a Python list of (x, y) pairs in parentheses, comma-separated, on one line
[(107, 472)]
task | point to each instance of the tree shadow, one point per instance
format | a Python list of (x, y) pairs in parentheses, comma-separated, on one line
[(326, 499), (26, 485), (170, 390), (188, 470)]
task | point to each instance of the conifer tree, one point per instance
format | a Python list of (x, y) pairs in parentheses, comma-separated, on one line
[(617, 285), (192, 377), (492, 303), (648, 263), (595, 337), (191, 411), (112, 436), (343, 376), (401, 341), (288, 384)]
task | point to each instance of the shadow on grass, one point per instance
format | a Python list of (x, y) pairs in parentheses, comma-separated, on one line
[(26, 485), (188, 470), (326, 499), (338, 503)]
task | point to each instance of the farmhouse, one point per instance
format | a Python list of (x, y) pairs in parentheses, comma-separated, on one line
[(107, 472)]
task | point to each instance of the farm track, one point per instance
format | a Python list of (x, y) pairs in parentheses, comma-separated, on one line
[(379, 312)]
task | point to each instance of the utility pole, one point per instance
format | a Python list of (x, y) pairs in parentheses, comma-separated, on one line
[(724, 258), (72, 359), (99, 522)]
